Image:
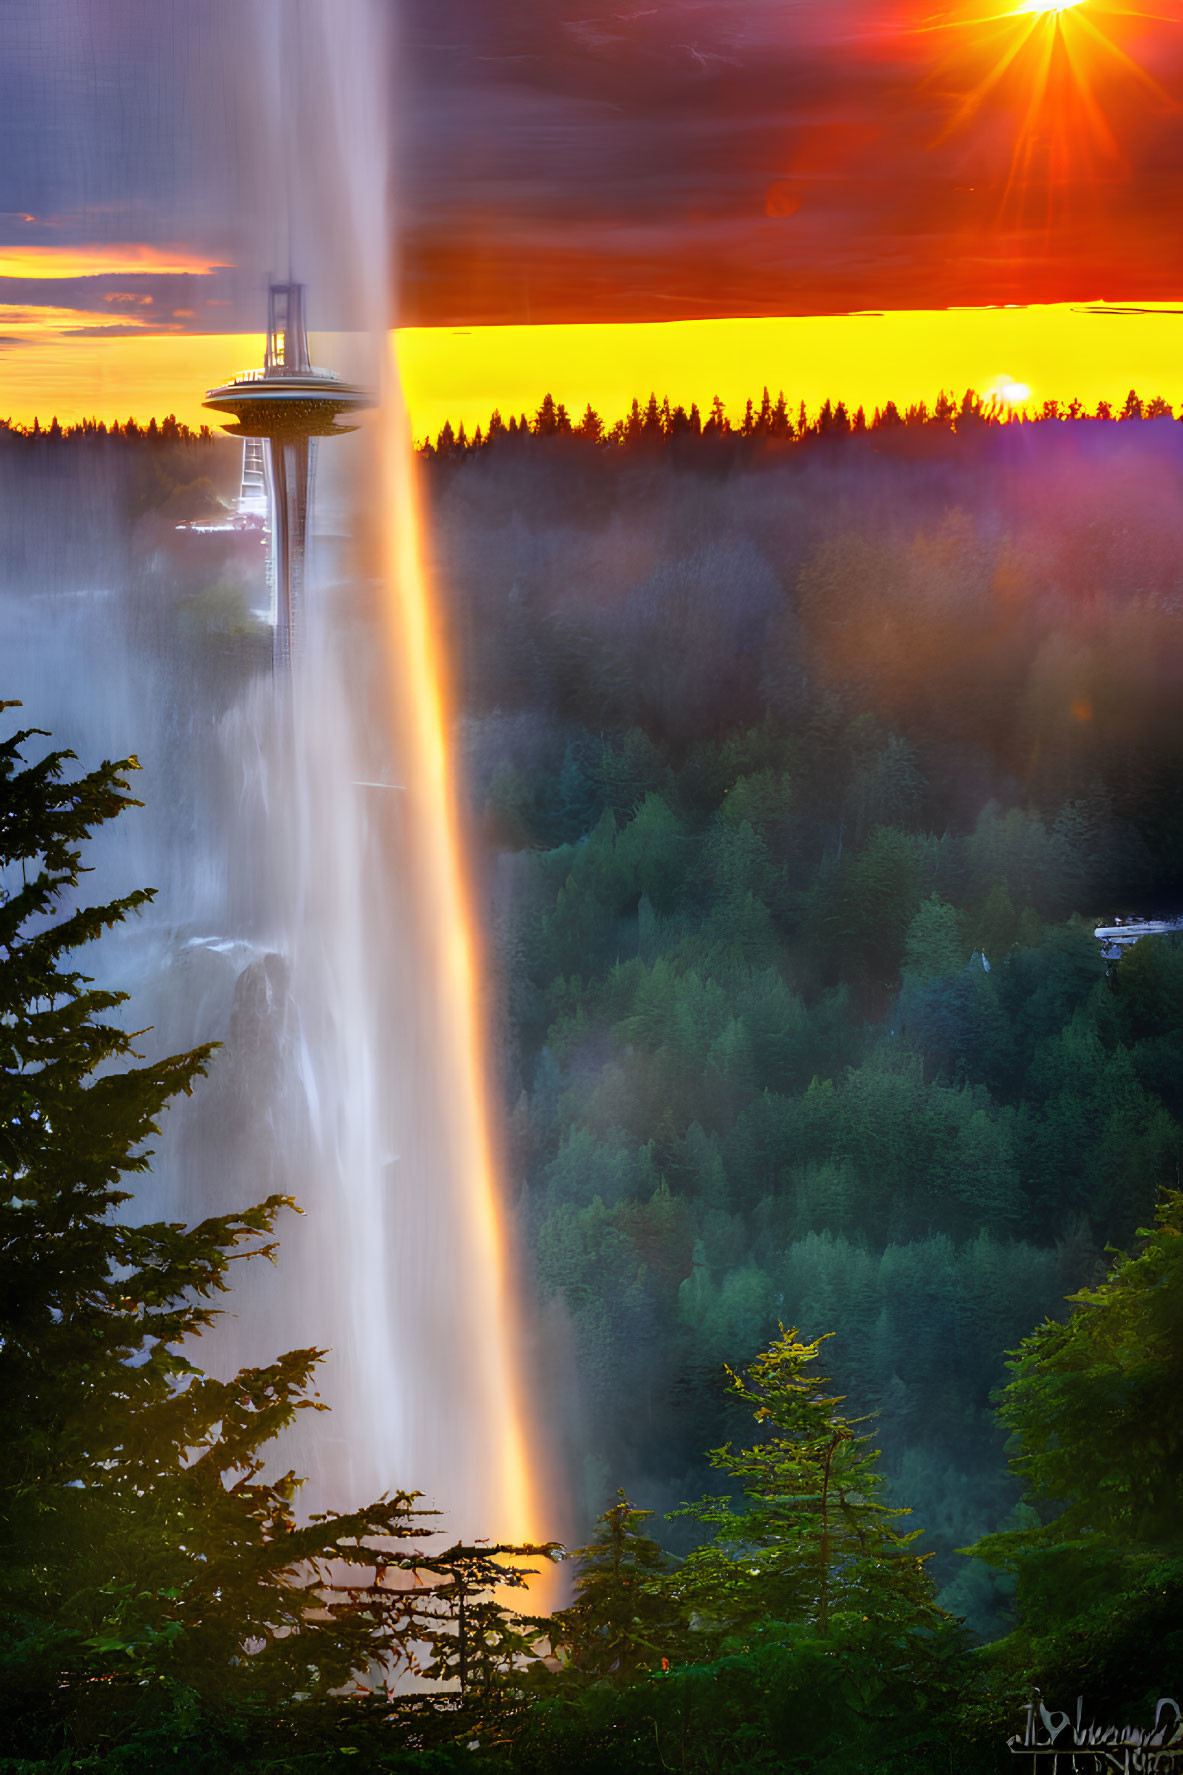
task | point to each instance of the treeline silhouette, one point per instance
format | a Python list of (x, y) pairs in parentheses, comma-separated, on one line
[(771, 421), (167, 431)]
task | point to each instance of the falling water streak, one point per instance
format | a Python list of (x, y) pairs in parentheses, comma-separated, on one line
[(404, 1265), (317, 928)]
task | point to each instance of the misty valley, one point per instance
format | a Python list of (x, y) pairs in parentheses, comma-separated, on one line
[(798, 775)]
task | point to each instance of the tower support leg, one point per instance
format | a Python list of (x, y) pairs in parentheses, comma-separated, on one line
[(291, 478)]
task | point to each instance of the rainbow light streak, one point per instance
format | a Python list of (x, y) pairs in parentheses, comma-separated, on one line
[(417, 674)]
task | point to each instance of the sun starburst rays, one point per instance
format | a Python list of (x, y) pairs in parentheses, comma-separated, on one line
[(1056, 81)]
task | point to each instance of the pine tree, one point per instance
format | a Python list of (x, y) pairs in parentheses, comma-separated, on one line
[(617, 1624), (812, 1542), (801, 1635), (160, 1603), (970, 411), (591, 426), (546, 422)]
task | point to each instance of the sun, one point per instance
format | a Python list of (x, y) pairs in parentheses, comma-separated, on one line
[(1055, 72)]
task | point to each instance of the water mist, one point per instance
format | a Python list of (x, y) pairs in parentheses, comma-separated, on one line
[(313, 914), (359, 1026)]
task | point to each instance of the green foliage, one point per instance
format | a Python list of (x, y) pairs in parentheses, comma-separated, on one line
[(884, 1075), (867, 909), (813, 1543), (786, 1701), (1095, 1411), (934, 944), (617, 1625), (865, 1060), (803, 1635), (161, 1604)]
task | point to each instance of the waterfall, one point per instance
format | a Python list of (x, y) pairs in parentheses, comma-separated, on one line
[(313, 916)]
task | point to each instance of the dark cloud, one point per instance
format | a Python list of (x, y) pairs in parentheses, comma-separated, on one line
[(560, 160), (103, 332), (155, 299), (133, 121), (565, 161)]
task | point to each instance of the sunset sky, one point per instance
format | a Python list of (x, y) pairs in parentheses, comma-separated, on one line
[(683, 161)]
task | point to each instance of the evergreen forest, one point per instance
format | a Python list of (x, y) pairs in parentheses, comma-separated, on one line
[(808, 773), (801, 770)]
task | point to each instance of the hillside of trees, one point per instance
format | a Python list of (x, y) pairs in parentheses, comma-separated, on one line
[(803, 776), (800, 770), (164, 1604)]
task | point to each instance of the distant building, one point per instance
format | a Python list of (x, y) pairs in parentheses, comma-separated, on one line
[(1116, 938)]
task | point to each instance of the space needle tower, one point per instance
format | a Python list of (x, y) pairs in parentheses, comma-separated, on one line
[(287, 404)]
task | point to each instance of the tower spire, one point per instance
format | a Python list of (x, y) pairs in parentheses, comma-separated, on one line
[(288, 404)]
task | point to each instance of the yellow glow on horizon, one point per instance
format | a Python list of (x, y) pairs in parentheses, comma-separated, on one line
[(1041, 6), (35, 323), (417, 668), (1060, 351)]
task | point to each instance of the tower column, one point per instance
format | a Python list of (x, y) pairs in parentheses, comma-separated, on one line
[(291, 491), (288, 404)]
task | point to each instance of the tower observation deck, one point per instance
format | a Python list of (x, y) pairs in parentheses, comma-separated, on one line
[(287, 404)]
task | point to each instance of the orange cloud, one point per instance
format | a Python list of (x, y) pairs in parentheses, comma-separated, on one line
[(42, 319), (121, 260)]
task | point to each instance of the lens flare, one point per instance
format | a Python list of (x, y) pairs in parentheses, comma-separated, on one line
[(1057, 80), (418, 678)]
